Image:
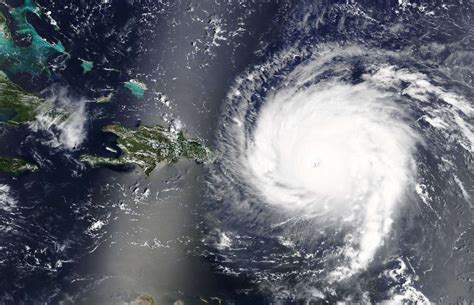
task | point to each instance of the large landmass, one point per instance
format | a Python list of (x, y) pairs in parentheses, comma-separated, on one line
[(16, 166), (28, 53), (147, 146), (16, 105)]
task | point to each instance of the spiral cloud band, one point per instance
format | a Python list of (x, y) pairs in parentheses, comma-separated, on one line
[(329, 150), (334, 149)]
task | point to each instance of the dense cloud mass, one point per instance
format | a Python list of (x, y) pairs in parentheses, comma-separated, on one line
[(330, 148)]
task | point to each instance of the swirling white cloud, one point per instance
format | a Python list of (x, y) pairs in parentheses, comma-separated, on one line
[(314, 144)]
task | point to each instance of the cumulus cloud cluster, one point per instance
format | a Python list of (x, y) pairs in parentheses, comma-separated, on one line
[(64, 119)]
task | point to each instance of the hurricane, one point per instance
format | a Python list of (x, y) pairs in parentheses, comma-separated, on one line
[(333, 149), (231, 152), (322, 155)]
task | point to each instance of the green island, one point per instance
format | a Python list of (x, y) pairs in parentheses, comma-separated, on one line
[(16, 166), (147, 146), (32, 58), (137, 88), (16, 105)]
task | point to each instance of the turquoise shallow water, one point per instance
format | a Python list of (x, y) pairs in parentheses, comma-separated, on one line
[(32, 58), (6, 114), (136, 88)]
